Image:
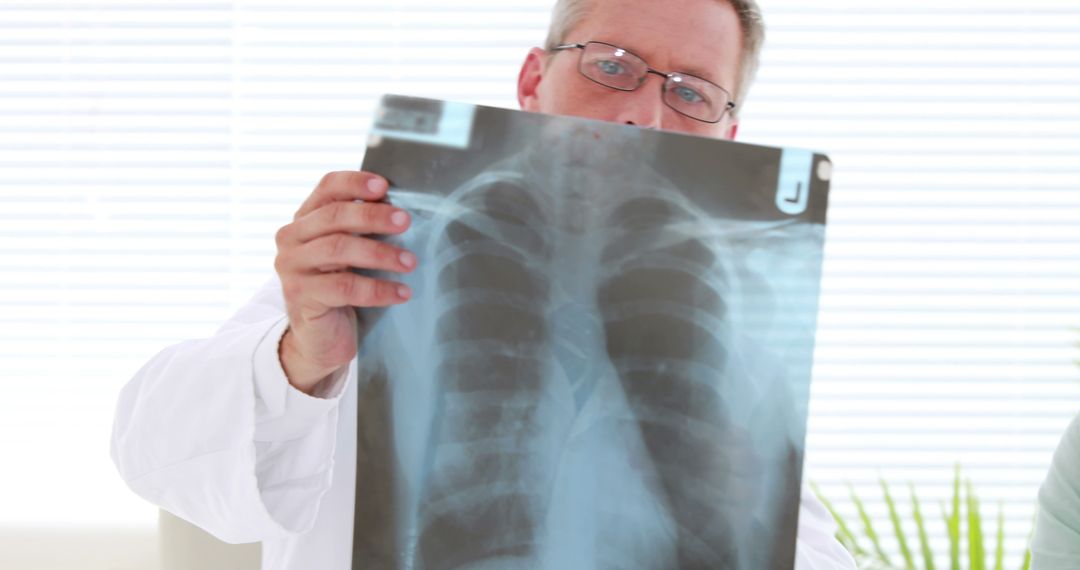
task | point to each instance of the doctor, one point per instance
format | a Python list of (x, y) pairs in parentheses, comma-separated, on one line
[(251, 434)]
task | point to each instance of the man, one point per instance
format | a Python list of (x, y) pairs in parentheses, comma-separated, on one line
[(1056, 542), (251, 434)]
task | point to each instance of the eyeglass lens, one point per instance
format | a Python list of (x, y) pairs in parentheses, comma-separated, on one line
[(619, 69)]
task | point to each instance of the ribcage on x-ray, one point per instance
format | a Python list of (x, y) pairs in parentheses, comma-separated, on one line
[(490, 476), (663, 298), (591, 405)]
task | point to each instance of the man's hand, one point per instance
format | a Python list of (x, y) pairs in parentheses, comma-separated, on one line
[(314, 255)]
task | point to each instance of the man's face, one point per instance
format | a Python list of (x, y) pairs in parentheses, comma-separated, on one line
[(697, 37)]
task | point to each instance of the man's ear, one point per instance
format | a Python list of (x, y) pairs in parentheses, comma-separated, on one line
[(532, 72), (732, 130)]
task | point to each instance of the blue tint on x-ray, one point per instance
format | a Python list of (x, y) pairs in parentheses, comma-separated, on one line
[(606, 359)]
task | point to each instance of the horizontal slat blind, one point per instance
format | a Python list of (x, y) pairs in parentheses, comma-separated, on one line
[(952, 277), (117, 236), (149, 150)]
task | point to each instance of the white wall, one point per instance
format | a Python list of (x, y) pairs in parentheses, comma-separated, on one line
[(68, 548)]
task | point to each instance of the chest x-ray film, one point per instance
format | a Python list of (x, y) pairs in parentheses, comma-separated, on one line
[(606, 360)]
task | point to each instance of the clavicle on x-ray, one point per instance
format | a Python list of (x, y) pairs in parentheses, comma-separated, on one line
[(606, 360)]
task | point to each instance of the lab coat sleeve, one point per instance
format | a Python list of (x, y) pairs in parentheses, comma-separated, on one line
[(817, 547), (212, 431), (1056, 543)]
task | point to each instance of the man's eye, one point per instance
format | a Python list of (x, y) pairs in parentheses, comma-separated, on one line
[(611, 67), (689, 95)]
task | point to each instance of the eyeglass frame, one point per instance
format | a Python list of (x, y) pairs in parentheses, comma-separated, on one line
[(728, 108)]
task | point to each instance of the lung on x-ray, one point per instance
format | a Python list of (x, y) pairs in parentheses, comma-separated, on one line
[(606, 360)]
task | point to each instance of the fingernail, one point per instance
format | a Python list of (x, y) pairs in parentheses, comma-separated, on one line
[(375, 185), (403, 292), (399, 218), (407, 259)]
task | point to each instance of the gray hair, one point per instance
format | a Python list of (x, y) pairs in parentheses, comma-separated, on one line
[(568, 13)]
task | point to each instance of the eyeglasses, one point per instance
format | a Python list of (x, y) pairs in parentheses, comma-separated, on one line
[(614, 67)]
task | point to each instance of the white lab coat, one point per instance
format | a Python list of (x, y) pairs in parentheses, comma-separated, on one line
[(211, 431)]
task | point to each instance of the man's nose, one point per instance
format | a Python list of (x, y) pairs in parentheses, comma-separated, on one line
[(644, 106)]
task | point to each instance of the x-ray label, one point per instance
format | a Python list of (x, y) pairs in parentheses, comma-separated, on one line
[(793, 189), (423, 120)]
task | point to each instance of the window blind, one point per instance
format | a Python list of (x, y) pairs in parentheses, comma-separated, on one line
[(950, 288), (149, 150)]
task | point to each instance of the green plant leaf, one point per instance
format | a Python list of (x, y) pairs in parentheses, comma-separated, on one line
[(898, 528), (965, 510), (868, 527), (1031, 533), (844, 534), (952, 523), (976, 552), (999, 553), (924, 542)]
